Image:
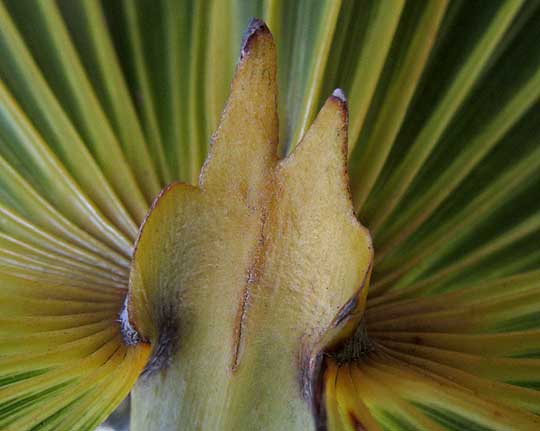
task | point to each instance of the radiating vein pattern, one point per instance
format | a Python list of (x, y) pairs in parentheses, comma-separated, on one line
[(103, 103)]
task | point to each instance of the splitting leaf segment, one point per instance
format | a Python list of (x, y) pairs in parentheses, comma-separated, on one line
[(252, 273)]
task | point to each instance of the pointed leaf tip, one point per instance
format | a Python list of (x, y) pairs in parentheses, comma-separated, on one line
[(339, 94), (255, 27), (249, 122), (339, 97)]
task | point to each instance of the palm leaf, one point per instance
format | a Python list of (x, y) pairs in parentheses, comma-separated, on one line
[(102, 104)]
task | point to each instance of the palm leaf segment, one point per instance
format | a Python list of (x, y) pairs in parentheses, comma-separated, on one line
[(101, 105)]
